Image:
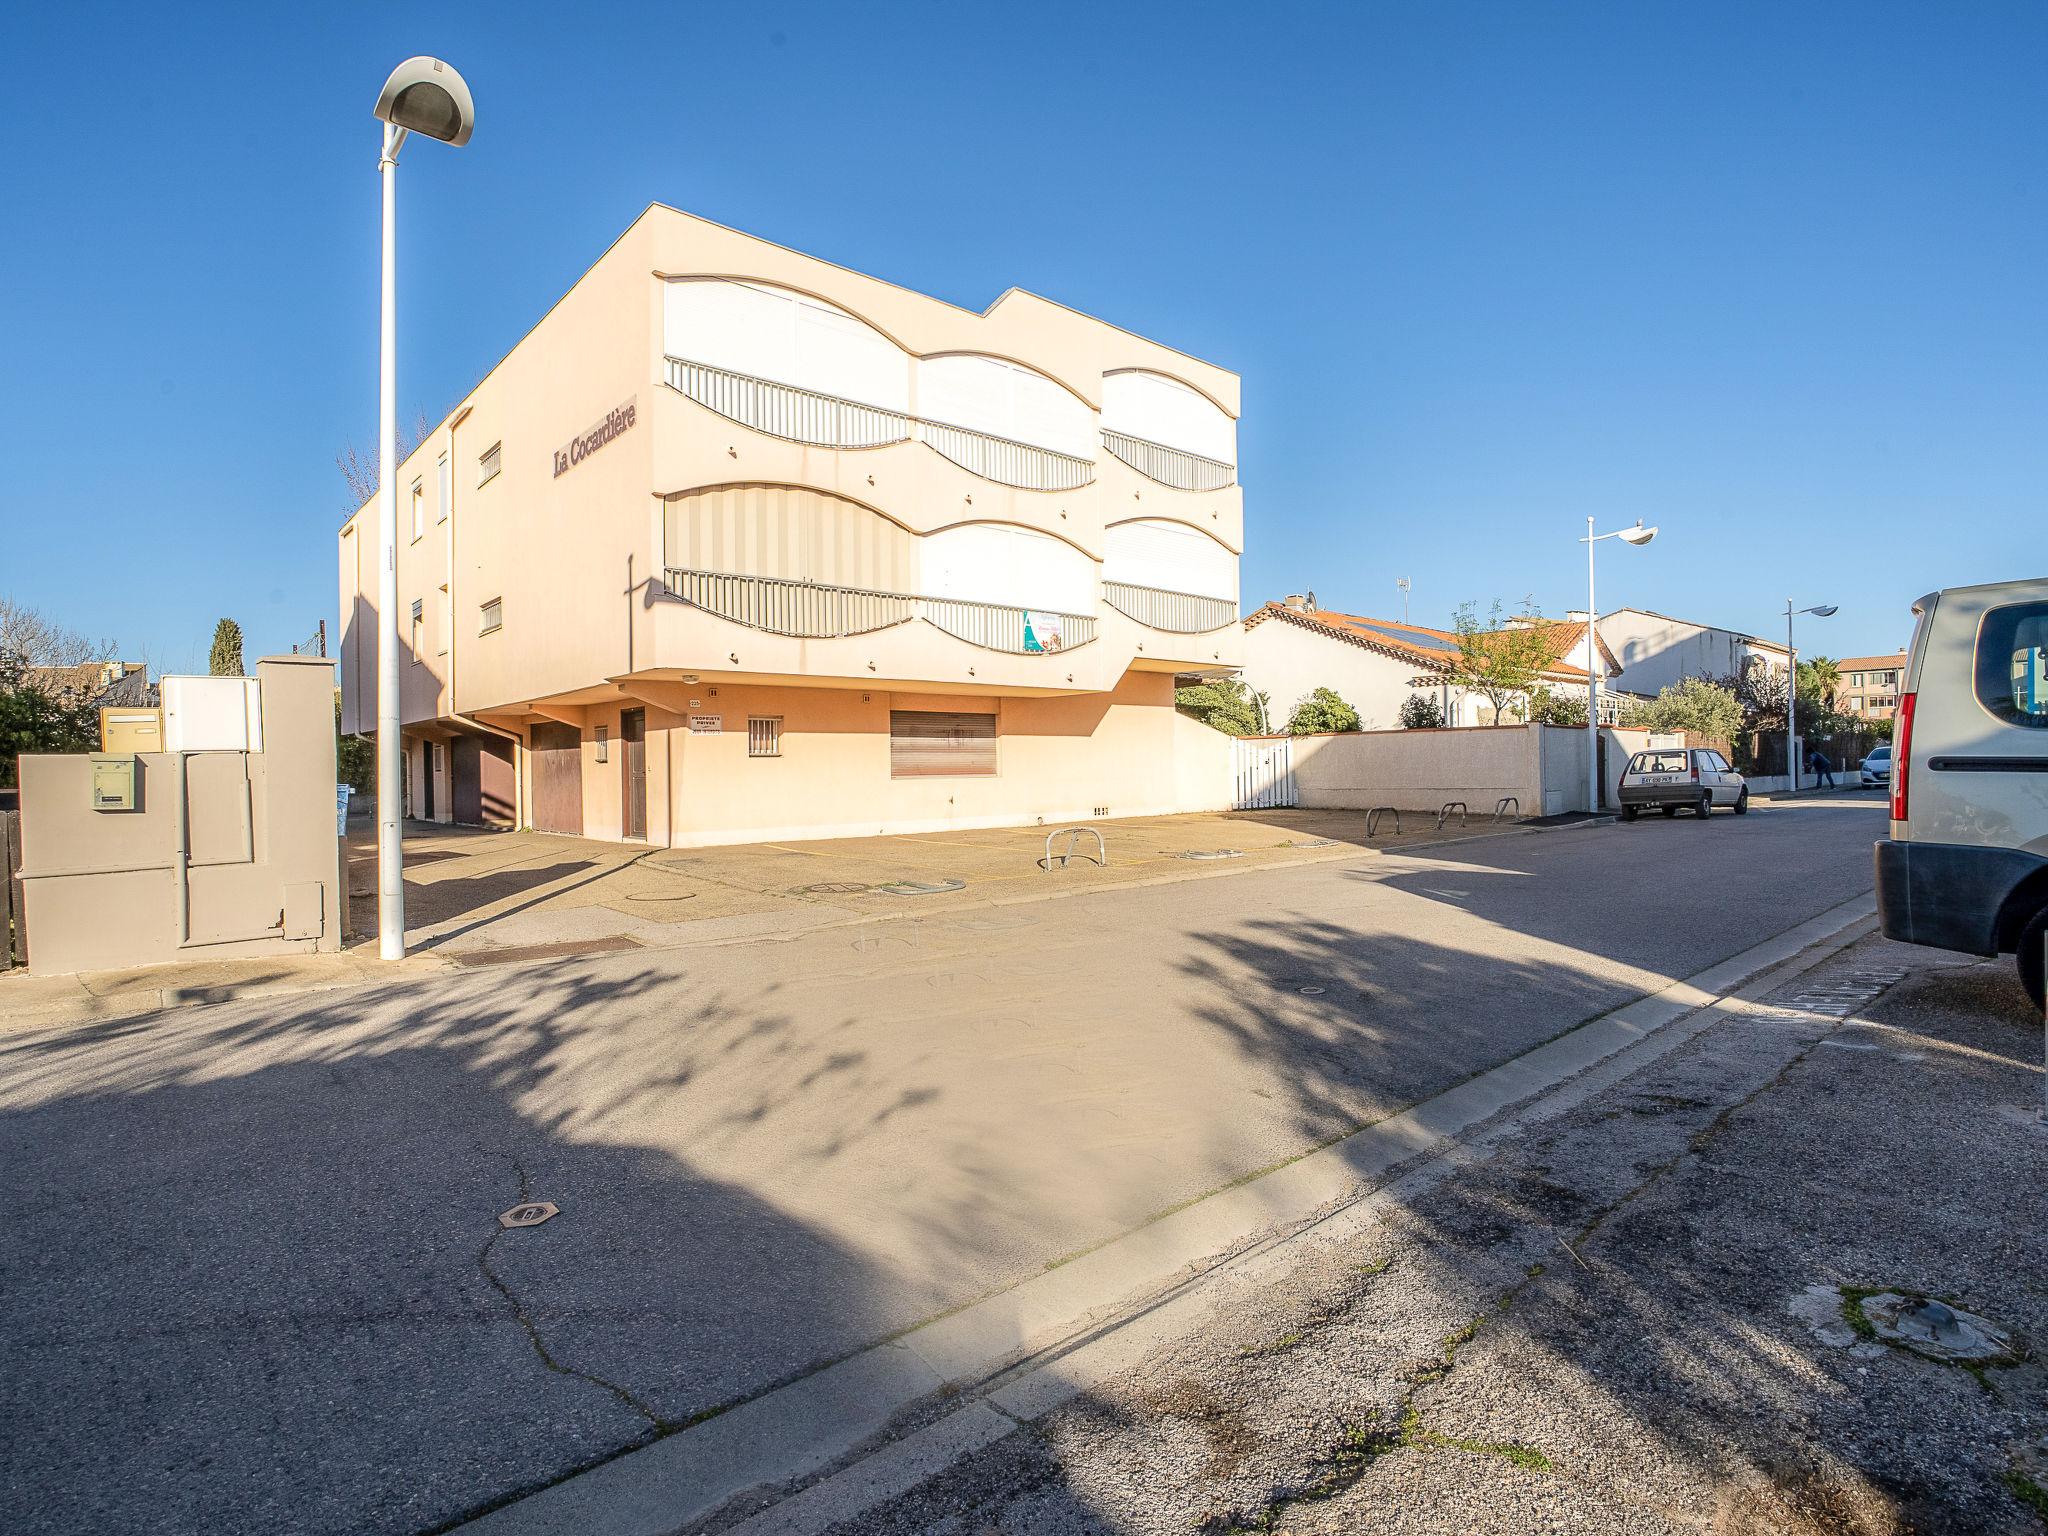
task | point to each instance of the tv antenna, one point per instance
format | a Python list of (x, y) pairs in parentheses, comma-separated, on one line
[(1402, 583)]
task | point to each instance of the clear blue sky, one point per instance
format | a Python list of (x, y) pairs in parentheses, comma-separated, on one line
[(1769, 276)]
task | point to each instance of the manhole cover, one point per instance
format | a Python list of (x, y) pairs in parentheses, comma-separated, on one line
[(1934, 1328), (830, 888), (670, 896), (531, 1214), (919, 887), (1211, 853), (1310, 991)]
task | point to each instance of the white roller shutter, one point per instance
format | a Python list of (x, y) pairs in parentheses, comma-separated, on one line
[(771, 333), (986, 394), (996, 563), (1166, 411), (1170, 556)]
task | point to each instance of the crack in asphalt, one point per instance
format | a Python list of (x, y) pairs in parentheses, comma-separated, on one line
[(656, 1422)]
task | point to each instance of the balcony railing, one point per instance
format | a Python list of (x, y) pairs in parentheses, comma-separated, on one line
[(827, 421), (783, 410), (813, 610), (1180, 613), (1170, 466), (1006, 461)]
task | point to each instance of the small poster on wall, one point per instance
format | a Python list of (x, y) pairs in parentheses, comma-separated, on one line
[(707, 723), (1041, 631)]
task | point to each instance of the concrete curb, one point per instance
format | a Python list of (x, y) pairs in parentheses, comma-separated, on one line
[(797, 1431)]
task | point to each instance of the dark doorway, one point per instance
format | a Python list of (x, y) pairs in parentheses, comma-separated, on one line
[(633, 766), (427, 780), (482, 789), (557, 777)]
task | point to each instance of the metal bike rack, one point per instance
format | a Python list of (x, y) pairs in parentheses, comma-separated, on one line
[(1072, 835), (1372, 818), (1502, 809), (1444, 815)]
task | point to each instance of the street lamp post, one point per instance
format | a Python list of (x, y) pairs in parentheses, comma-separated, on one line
[(1638, 535), (1819, 611), (425, 96)]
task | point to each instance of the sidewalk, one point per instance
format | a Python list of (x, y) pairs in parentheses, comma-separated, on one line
[(1653, 1306)]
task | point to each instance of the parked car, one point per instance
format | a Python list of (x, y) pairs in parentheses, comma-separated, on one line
[(1876, 772), (1966, 864), (1674, 779)]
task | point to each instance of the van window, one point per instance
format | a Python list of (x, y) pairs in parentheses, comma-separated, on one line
[(2012, 664), (1659, 762)]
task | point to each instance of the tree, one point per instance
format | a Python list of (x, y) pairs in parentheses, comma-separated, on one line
[(355, 757), (36, 641), (225, 660), (1422, 712), (33, 719), (1826, 677), (1225, 704), (359, 468), (1557, 709), (1503, 658), (1322, 710), (1694, 704)]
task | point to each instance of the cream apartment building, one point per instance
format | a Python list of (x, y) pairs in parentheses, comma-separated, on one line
[(736, 543)]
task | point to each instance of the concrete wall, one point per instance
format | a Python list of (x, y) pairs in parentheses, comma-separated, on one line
[(247, 837), (1542, 766)]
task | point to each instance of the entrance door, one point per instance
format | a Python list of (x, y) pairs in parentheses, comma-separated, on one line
[(557, 752), (633, 766), (480, 774), (427, 779)]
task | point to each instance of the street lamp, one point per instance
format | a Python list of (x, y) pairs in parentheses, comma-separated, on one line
[(1819, 611), (1637, 535), (425, 96)]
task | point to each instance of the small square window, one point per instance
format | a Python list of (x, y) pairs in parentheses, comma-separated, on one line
[(487, 464), (493, 615), (604, 743), (764, 735)]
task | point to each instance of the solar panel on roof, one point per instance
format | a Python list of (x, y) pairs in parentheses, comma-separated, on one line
[(1415, 638)]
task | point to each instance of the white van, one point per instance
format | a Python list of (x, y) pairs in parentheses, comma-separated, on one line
[(1966, 866)]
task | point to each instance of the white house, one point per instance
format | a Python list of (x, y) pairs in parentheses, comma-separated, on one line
[(1377, 665), (1658, 650)]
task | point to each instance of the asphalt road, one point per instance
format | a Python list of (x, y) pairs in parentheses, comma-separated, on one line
[(252, 1278)]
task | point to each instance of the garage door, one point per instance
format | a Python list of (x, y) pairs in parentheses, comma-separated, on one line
[(483, 789), (557, 778)]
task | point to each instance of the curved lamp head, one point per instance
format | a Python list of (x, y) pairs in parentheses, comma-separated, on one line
[(427, 96), (1638, 534), (1824, 611)]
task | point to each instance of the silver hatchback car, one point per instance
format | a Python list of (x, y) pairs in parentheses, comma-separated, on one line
[(1674, 779)]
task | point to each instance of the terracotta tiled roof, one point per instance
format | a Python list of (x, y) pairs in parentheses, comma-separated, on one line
[(1870, 663), (1436, 649)]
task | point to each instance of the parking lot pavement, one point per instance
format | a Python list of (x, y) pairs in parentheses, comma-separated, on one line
[(252, 1277), (1651, 1314)]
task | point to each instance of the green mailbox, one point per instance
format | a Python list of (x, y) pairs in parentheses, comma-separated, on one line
[(113, 783)]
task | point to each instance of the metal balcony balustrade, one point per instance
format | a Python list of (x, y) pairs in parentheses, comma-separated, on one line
[(1170, 466), (1179, 613), (817, 611), (827, 421)]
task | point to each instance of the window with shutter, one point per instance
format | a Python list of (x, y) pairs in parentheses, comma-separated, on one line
[(925, 744)]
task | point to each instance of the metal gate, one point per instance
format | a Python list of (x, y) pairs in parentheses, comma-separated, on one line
[(1261, 773)]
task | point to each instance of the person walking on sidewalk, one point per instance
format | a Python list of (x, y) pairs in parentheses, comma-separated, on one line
[(1823, 769)]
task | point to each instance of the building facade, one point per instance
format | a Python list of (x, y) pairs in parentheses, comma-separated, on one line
[(1658, 651), (1377, 665), (1869, 685), (736, 544)]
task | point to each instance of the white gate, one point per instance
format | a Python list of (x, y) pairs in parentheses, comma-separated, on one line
[(1261, 773)]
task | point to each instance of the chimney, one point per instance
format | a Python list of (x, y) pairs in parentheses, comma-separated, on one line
[(1300, 602)]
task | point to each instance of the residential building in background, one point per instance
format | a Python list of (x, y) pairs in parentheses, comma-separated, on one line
[(1293, 647), (1869, 685), (1657, 651), (736, 543)]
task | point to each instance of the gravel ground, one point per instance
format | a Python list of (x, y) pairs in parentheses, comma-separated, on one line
[(1629, 1319)]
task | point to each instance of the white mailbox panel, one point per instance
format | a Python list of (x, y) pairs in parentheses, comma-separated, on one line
[(212, 714)]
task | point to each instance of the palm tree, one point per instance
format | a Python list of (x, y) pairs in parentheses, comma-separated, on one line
[(1826, 678)]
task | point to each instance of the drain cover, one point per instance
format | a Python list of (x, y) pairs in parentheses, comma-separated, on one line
[(1934, 1328), (1212, 853), (830, 888), (532, 1214), (919, 887), (1310, 991)]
